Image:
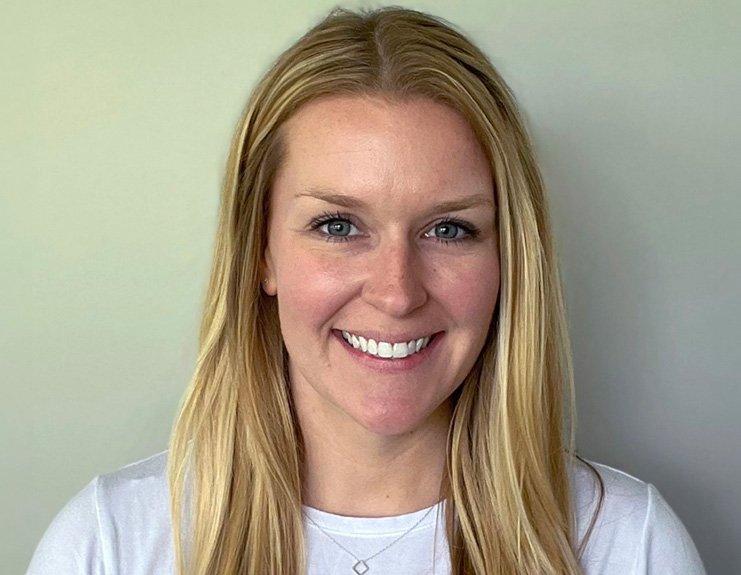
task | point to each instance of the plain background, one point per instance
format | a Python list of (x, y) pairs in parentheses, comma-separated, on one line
[(116, 119)]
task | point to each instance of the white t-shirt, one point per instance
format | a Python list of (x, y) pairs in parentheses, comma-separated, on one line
[(119, 524)]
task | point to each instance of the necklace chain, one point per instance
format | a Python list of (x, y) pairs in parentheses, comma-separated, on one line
[(361, 566)]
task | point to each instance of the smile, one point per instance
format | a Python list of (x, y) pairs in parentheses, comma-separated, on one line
[(385, 349), (427, 348)]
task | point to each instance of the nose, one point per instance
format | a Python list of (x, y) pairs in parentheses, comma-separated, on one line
[(395, 280)]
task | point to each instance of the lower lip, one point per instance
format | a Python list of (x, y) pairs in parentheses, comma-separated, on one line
[(392, 365)]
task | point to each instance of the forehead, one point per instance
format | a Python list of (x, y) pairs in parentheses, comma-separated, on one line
[(358, 143)]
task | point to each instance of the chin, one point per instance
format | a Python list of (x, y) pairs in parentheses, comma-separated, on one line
[(391, 423)]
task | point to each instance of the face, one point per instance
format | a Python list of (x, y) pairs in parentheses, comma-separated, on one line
[(358, 241)]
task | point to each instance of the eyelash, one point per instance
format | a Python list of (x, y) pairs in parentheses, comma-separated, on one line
[(328, 217)]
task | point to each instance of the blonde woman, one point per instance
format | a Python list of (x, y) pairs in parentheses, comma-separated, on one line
[(383, 353)]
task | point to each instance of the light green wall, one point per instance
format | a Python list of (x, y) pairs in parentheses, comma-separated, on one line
[(116, 118)]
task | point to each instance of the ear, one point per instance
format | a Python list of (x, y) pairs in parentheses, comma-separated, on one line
[(267, 278)]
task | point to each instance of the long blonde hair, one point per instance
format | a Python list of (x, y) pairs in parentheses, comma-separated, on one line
[(236, 447)]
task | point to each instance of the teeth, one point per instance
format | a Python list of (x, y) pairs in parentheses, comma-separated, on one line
[(400, 350), (385, 349)]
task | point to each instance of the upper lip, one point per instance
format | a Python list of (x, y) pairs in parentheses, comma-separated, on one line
[(400, 336)]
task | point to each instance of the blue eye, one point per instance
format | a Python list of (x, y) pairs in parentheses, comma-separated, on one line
[(455, 226), (338, 222), (335, 222)]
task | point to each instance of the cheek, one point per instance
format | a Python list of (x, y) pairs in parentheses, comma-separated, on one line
[(311, 289), (472, 290)]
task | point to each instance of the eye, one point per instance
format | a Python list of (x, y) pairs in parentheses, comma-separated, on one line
[(335, 222), (450, 228)]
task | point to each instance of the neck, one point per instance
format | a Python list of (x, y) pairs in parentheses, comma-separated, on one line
[(350, 471)]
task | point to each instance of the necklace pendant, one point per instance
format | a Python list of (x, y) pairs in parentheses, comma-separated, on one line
[(360, 567)]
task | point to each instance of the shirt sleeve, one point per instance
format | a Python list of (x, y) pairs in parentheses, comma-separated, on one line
[(71, 544), (666, 546)]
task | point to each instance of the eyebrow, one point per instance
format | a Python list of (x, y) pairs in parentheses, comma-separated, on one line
[(352, 202)]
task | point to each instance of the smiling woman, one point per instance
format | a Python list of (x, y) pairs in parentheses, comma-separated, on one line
[(384, 352)]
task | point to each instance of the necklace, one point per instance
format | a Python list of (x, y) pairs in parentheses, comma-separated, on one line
[(361, 565)]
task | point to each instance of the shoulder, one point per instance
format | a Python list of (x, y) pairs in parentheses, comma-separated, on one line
[(137, 492), (118, 519), (635, 531), (71, 542)]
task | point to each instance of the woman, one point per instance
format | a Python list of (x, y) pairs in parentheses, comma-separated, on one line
[(383, 349)]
